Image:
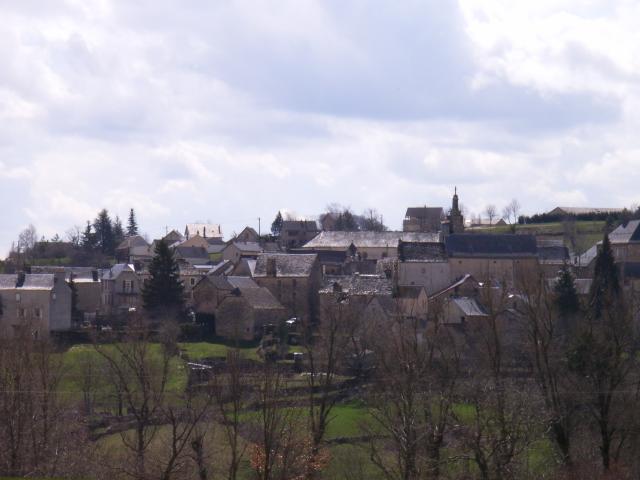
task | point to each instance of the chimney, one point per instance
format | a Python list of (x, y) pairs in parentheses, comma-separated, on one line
[(94, 275), (271, 267)]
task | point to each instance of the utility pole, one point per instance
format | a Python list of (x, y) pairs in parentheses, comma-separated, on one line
[(259, 227)]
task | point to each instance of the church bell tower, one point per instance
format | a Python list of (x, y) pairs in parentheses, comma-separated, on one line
[(456, 220)]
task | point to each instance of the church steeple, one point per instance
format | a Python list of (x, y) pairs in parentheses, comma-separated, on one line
[(454, 205), (456, 220)]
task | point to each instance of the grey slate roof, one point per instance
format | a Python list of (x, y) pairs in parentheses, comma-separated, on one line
[(469, 306), (8, 281), (32, 281), (133, 241), (492, 246), (287, 265), (192, 252), (421, 252), (245, 268), (305, 225), (368, 239), (261, 298), (241, 282), (626, 233), (248, 247), (115, 271), (359, 284), (430, 214)]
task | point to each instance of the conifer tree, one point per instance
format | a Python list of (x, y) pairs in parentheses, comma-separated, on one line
[(75, 314), (164, 291), (88, 240), (276, 226), (105, 238), (606, 286), (132, 225), (566, 293), (118, 232)]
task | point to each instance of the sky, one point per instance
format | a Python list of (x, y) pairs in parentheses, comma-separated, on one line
[(227, 111)]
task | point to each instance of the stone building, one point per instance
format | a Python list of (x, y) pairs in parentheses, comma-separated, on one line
[(423, 219), (294, 279), (121, 289), (39, 303), (244, 312), (295, 233)]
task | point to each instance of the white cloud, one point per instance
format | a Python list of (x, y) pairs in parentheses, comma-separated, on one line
[(228, 111)]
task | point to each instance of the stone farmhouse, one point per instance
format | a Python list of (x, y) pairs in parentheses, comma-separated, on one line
[(36, 304)]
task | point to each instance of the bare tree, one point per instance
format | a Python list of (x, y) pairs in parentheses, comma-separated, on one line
[(140, 374), (38, 435), (231, 391), (74, 235), (416, 376), (326, 346), (503, 408), (511, 213), (546, 345), (491, 212), (281, 449)]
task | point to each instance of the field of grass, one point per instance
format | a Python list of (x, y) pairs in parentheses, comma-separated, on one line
[(587, 233), (201, 350)]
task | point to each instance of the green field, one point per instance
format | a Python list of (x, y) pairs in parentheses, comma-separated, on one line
[(587, 234)]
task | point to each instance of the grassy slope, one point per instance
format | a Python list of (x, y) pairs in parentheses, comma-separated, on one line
[(588, 233)]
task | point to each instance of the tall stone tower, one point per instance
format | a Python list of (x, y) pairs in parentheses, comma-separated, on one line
[(456, 220)]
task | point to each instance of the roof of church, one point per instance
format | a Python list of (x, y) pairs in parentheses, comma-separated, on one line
[(488, 245)]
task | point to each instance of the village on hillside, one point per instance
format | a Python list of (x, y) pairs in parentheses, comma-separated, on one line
[(235, 288), (331, 348)]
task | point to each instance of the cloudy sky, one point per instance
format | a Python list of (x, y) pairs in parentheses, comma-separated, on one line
[(231, 110)]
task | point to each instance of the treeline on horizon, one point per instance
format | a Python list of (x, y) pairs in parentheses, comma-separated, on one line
[(610, 218)]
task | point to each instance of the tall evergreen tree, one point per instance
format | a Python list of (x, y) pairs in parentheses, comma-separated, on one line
[(566, 293), (605, 288), (75, 313), (276, 226), (164, 290), (88, 239), (103, 227), (118, 233), (349, 223), (132, 224)]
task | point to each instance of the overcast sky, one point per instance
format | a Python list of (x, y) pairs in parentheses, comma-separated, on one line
[(229, 111)]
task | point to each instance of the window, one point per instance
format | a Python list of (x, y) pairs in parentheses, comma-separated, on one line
[(127, 286), (22, 312), (37, 312), (294, 283), (192, 281), (17, 297)]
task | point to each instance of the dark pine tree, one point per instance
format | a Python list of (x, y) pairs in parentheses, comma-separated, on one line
[(88, 240), (105, 238), (276, 226), (75, 313), (132, 224), (118, 233), (566, 294), (164, 292), (349, 223), (605, 288)]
